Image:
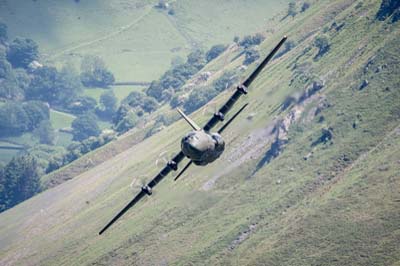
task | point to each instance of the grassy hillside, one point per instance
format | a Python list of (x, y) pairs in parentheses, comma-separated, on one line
[(328, 196)]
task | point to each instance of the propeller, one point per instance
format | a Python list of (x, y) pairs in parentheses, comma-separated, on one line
[(163, 159), (137, 183), (210, 108)]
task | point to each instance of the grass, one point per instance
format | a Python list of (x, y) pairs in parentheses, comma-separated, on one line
[(7, 155), (60, 119), (136, 41), (120, 91), (338, 207)]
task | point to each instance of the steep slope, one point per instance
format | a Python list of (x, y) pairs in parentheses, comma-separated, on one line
[(329, 195)]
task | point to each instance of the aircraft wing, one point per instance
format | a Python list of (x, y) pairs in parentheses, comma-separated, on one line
[(241, 89), (147, 190)]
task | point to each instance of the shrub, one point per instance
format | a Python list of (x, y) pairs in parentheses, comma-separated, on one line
[(215, 51), (94, 73), (322, 43), (85, 126), (22, 52), (251, 55)]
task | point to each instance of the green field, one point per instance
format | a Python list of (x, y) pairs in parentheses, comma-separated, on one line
[(136, 40), (120, 91), (318, 201), (7, 154), (60, 119)]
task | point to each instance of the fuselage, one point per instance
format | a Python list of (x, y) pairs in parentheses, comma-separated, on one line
[(202, 147)]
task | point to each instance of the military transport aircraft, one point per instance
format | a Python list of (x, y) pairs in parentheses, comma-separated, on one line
[(200, 146)]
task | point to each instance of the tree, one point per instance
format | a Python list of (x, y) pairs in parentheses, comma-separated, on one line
[(94, 72), (288, 45), (197, 59), (68, 84), (36, 112), (85, 126), (249, 40), (389, 8), (155, 90), (139, 99), (3, 32), (45, 133), (22, 78), (251, 55), (22, 52), (127, 122), (43, 85), (82, 104), (305, 6), (9, 87), (57, 88), (322, 43), (13, 119), (215, 51), (292, 9), (19, 181), (108, 104)]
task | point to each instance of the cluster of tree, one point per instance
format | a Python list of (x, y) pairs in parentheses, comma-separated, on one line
[(293, 9), (107, 106), (226, 80), (13, 81), (199, 97), (250, 40), (215, 51), (44, 153), (19, 180), (94, 72), (85, 126), (45, 133), (135, 105), (202, 95), (250, 55), (173, 79), (287, 46), (22, 52), (248, 43), (17, 118), (140, 100), (77, 149), (389, 8), (58, 88), (171, 82)]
